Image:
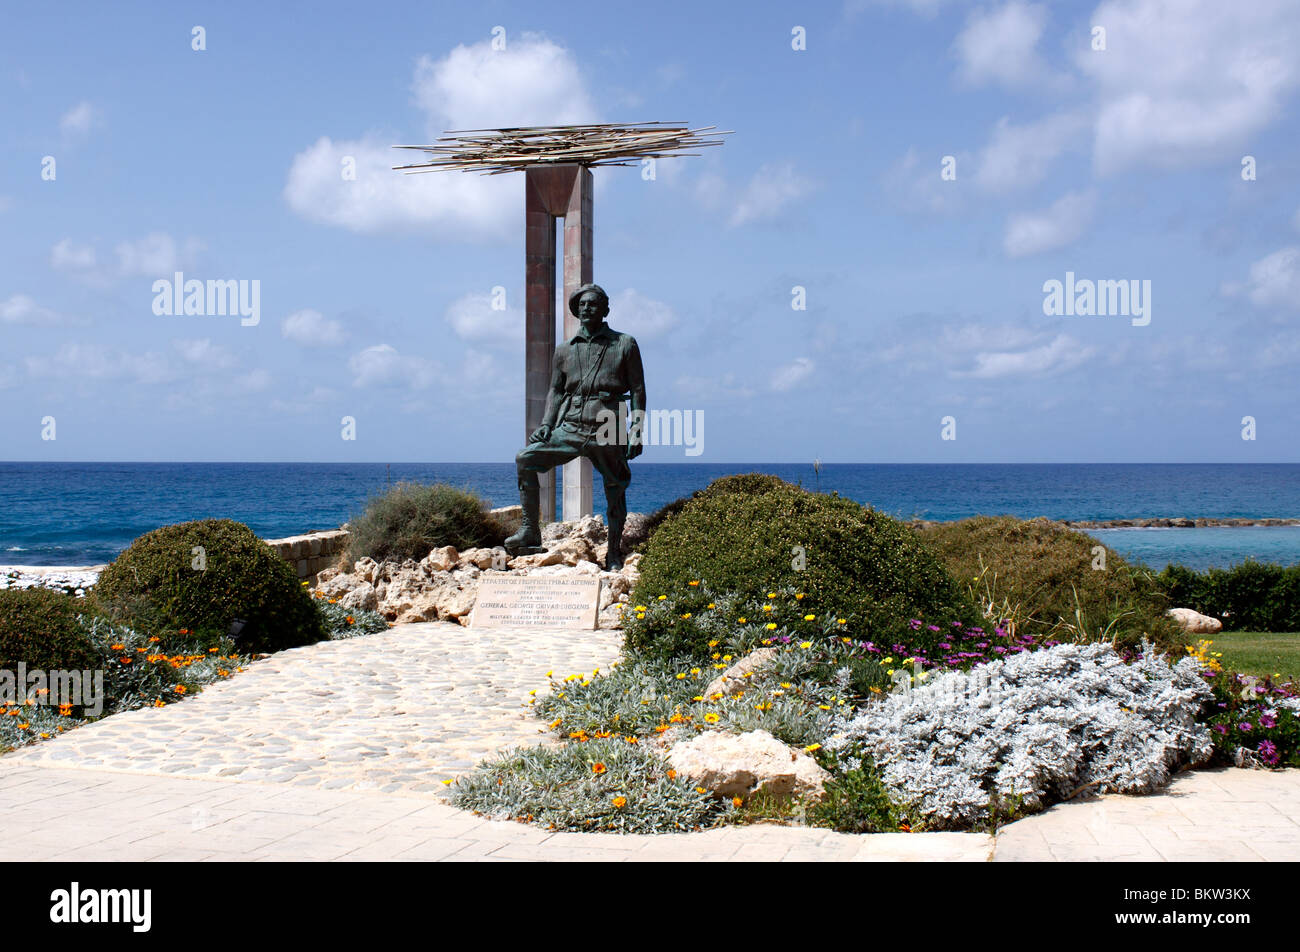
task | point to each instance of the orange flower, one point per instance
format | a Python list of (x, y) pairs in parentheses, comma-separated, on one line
[(598, 768), (185, 631), (180, 689), (631, 739), (736, 801), (620, 802), (672, 775)]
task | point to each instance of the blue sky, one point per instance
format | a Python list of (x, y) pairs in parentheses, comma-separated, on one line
[(924, 295)]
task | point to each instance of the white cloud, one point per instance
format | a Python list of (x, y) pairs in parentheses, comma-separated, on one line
[(90, 361), (472, 318), (20, 309), (792, 374), (1019, 156), (1188, 82), (155, 255), (1000, 46), (771, 188), (205, 353), (644, 318), (67, 256), (255, 381), (532, 82), (78, 120), (1274, 280), (312, 329), (1060, 354), (1059, 225), (916, 184), (382, 366)]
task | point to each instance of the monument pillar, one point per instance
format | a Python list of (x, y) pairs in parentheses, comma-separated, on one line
[(551, 192)]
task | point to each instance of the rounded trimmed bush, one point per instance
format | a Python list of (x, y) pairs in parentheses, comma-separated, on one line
[(636, 539), (161, 584), (1041, 573), (755, 533), (410, 519), (39, 627)]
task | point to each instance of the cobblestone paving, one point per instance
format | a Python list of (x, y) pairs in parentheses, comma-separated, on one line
[(1204, 815), (400, 710), (337, 750)]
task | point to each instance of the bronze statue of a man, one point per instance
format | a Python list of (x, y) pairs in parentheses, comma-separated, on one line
[(594, 372)]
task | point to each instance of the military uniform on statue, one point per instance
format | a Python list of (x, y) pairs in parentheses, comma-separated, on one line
[(593, 373)]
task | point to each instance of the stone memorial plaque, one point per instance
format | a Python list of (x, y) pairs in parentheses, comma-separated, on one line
[(536, 601)]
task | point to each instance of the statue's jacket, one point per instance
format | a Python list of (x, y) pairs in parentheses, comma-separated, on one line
[(594, 374)]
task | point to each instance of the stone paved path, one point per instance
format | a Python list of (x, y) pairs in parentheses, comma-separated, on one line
[(337, 750), (1215, 815), (399, 710)]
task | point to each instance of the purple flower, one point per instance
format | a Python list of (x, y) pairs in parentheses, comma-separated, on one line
[(1265, 721), (945, 645), (1245, 727), (1220, 728), (1268, 751), (933, 627), (915, 623), (1000, 650)]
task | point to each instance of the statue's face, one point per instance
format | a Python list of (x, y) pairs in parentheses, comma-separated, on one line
[(591, 309)]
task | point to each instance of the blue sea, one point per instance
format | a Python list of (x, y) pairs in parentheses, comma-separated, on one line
[(86, 513)]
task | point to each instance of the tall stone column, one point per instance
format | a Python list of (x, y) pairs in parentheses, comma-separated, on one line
[(551, 192), (577, 272)]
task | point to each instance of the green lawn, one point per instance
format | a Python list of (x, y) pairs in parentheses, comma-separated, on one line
[(1259, 652)]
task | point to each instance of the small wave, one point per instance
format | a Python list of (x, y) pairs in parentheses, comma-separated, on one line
[(15, 548)]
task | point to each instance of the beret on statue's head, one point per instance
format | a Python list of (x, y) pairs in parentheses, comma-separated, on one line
[(577, 295)]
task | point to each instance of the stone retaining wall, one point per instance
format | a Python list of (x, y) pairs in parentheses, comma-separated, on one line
[(312, 552)]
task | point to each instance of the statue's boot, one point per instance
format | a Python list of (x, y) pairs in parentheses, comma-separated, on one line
[(528, 539), (616, 515)]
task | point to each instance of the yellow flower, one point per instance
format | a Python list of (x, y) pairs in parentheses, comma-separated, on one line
[(713, 644), (700, 790), (662, 597), (681, 676), (550, 673), (693, 583), (695, 670), (767, 608), (824, 707), (771, 626), (687, 615), (809, 617), (799, 597), (771, 594), (811, 747), (741, 620), (841, 621), (620, 802), (805, 644), (446, 783), (711, 605), (726, 657), (640, 608), (711, 718)]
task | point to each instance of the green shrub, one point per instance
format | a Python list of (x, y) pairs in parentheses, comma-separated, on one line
[(1252, 596), (856, 799), (1039, 575), (753, 534), (637, 539), (39, 627), (161, 584), (410, 519), (596, 785)]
